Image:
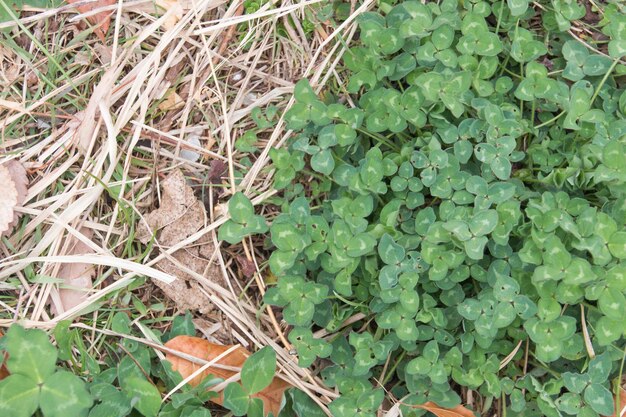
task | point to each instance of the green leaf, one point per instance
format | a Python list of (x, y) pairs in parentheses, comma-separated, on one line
[(575, 382), (517, 7), (475, 247), (323, 162), (612, 304), (600, 399), (308, 347), (389, 251), (304, 93), (360, 245), (303, 405), (600, 368), (231, 232), (258, 370), (255, 408), (19, 396), (617, 48), (30, 353), (596, 65), (483, 222), (505, 288), (240, 208), (286, 237), (617, 245), (503, 315), (608, 330), (470, 309), (144, 396), (236, 399), (569, 403), (501, 167), (64, 394)]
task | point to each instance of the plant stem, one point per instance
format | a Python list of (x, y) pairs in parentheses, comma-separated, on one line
[(606, 77), (550, 121)]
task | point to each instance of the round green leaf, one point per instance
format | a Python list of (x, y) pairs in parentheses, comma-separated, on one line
[(617, 245), (236, 399), (483, 222), (390, 252), (600, 399), (323, 162), (258, 370), (240, 208), (30, 353), (19, 396), (64, 394)]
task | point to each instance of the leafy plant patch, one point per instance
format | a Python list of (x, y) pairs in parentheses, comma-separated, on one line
[(129, 382), (471, 204)]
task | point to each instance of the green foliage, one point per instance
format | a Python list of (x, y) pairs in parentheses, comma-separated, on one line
[(125, 387), (35, 382), (473, 198), (9, 10), (258, 370), (243, 221)]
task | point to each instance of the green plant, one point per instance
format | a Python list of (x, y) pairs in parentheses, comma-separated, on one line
[(242, 221), (473, 200), (120, 386), (35, 381), (7, 8), (256, 374)]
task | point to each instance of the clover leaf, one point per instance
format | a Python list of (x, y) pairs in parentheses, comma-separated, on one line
[(243, 221)]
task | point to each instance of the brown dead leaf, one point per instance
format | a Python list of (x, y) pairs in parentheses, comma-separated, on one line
[(458, 411), (176, 9), (172, 101), (4, 372), (203, 349), (14, 186), (620, 410), (77, 277), (179, 216), (102, 20)]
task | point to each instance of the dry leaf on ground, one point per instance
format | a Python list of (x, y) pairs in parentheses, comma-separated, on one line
[(179, 216), (14, 186), (203, 349), (102, 19), (458, 411), (171, 101), (77, 277), (177, 9), (621, 412), (4, 372)]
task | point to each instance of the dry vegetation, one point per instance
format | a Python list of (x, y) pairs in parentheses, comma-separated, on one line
[(99, 125)]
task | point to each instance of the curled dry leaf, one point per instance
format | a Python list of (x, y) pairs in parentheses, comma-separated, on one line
[(180, 216), (77, 277), (102, 19), (203, 349), (458, 411), (14, 186)]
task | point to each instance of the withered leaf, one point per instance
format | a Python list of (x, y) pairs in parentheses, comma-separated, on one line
[(458, 411), (14, 186), (102, 19), (77, 277), (4, 371), (180, 216), (203, 349)]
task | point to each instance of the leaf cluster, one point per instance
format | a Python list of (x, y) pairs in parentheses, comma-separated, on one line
[(473, 198)]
